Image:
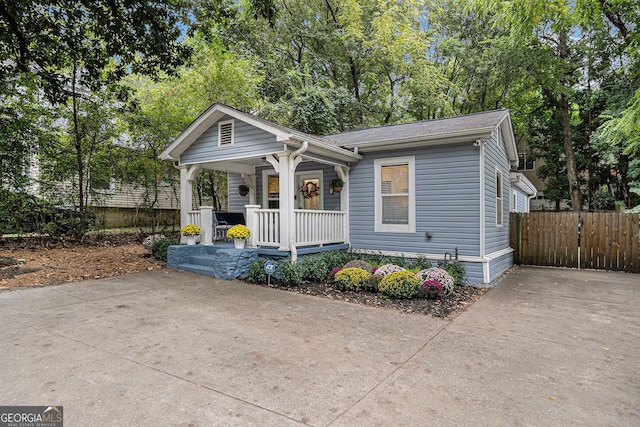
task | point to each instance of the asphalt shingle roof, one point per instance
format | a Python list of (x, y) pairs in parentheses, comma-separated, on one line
[(423, 128)]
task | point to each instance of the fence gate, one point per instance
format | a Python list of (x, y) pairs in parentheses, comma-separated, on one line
[(596, 240)]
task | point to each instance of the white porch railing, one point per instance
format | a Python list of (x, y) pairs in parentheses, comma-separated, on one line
[(267, 232), (203, 218), (195, 218), (314, 227)]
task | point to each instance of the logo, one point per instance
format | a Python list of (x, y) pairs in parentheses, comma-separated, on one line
[(31, 416)]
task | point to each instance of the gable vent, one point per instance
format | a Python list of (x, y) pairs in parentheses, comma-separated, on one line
[(225, 133)]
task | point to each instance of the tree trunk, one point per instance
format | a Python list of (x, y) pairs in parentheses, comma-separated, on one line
[(570, 157)]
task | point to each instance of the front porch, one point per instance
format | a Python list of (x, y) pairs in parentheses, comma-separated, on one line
[(291, 204)]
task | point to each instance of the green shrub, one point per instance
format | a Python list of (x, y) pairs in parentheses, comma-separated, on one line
[(351, 279), (400, 285), (457, 271), (372, 283), (336, 259), (256, 271), (161, 246), (313, 269), (358, 263), (289, 273)]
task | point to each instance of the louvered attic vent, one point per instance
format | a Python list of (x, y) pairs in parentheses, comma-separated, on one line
[(225, 133)]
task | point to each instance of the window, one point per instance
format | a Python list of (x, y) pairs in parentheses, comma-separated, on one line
[(526, 162), (102, 184), (273, 192), (499, 201), (395, 206), (225, 133)]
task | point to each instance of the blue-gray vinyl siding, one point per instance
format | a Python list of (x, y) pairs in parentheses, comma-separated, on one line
[(500, 265), (495, 156), (237, 202), (520, 200), (249, 141), (447, 202)]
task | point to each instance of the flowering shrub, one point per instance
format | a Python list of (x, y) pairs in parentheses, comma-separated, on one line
[(351, 279), (388, 269), (439, 275), (400, 284), (358, 263), (432, 288), (149, 241), (239, 232), (190, 230)]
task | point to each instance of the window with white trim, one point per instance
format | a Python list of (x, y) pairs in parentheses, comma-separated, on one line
[(499, 198), (395, 205), (225, 133), (526, 162)]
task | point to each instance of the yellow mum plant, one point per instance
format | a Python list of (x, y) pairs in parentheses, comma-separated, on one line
[(190, 230), (239, 232)]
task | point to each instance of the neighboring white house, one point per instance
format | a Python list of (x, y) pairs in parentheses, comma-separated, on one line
[(427, 188)]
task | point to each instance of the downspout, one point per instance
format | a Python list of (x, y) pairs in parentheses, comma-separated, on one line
[(485, 265), (294, 160)]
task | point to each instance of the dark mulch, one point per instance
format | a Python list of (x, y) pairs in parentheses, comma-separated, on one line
[(447, 307)]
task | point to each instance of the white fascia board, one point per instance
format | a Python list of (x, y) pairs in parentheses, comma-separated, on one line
[(205, 121), (432, 140), (227, 166), (506, 127)]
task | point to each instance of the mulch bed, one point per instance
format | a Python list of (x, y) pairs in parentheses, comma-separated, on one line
[(446, 308)]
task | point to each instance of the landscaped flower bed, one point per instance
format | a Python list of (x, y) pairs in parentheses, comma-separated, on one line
[(409, 285)]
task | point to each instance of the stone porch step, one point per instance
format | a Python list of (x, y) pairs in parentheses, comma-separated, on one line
[(203, 260)]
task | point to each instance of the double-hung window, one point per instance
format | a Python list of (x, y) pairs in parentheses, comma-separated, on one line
[(395, 204)]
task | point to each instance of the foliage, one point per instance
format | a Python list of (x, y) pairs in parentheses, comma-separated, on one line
[(400, 285), (151, 240), (313, 269), (190, 230), (256, 271), (358, 263), (239, 232), (372, 283), (351, 279), (161, 247), (440, 275), (388, 269), (289, 273), (457, 271), (336, 259)]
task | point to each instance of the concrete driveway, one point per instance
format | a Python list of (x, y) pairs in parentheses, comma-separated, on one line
[(545, 347)]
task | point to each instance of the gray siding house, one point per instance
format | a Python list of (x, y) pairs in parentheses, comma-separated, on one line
[(433, 188)]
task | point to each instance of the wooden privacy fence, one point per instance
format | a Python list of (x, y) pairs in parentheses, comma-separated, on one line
[(597, 240)]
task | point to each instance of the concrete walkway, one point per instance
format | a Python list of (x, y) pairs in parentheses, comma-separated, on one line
[(545, 347)]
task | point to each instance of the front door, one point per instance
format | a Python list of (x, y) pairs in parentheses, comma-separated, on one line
[(309, 191)]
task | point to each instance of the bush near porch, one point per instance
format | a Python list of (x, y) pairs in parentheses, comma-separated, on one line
[(352, 272)]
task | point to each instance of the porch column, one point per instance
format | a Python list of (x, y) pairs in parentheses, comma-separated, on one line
[(286, 200), (186, 191), (252, 223), (206, 225), (343, 174)]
